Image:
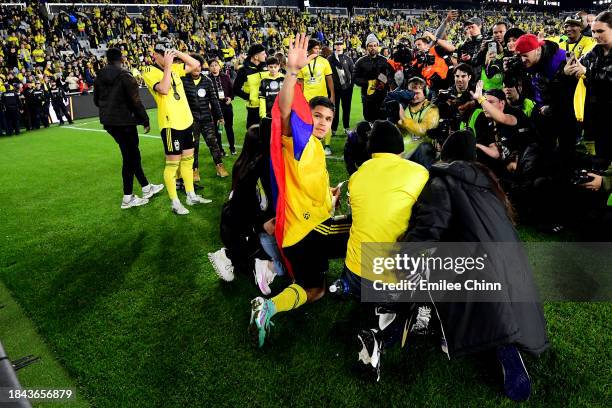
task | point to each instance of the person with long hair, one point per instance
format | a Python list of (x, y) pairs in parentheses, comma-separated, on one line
[(247, 219)]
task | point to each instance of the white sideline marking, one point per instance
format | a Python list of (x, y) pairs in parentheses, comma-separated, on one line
[(158, 137)]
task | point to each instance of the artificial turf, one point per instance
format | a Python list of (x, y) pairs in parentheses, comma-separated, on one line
[(127, 302)]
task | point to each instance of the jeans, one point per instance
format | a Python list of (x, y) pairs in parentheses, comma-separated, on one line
[(268, 243)]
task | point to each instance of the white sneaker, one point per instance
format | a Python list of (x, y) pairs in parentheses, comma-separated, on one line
[(134, 201), (196, 199), (328, 151), (261, 276), (222, 265), (152, 189), (179, 209)]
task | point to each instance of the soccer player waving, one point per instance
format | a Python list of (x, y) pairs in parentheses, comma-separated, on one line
[(174, 118), (304, 228)]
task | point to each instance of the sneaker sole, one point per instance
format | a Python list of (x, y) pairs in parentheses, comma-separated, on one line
[(149, 195), (214, 265), (179, 213), (132, 206)]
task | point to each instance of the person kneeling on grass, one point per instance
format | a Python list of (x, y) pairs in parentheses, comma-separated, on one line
[(247, 218), (309, 237), (175, 120), (463, 202)]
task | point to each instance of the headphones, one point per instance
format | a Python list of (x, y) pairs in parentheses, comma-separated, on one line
[(422, 82)]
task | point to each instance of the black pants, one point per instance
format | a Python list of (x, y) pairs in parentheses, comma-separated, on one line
[(35, 116), (228, 117), (127, 139), (44, 118), (13, 121), (61, 111), (372, 108), (344, 99), (252, 117), (207, 130)]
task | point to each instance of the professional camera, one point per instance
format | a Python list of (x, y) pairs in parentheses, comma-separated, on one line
[(424, 58), (402, 54), (441, 133), (393, 100), (581, 177)]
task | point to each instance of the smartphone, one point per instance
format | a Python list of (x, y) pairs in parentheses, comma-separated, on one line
[(382, 78), (569, 56), (492, 47)]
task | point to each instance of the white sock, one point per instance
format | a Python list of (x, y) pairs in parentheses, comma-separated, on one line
[(127, 198)]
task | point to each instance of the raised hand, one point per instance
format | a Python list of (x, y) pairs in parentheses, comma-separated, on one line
[(297, 56)]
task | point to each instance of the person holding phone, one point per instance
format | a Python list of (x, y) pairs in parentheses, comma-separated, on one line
[(372, 73)]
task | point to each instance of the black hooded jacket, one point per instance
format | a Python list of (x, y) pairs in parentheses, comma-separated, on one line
[(116, 94), (459, 205)]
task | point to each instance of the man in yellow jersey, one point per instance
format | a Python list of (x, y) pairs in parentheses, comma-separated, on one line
[(311, 236), (318, 81), (174, 118)]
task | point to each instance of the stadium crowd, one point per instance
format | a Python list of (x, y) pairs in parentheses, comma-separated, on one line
[(470, 124)]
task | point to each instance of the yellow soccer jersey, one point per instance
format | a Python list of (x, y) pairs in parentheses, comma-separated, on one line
[(171, 112), (308, 200), (314, 75)]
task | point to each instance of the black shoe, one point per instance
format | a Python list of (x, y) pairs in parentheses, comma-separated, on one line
[(223, 154), (197, 187), (368, 357), (517, 384), (233, 152)]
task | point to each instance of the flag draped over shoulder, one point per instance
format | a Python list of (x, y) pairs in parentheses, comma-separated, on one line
[(301, 130)]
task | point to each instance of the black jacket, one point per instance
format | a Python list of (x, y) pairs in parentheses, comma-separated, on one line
[(203, 99), (345, 64), (458, 205), (249, 75), (367, 69), (471, 47), (10, 100), (116, 94)]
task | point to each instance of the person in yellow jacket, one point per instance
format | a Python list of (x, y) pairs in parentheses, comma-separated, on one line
[(39, 56), (420, 116), (382, 192), (575, 42)]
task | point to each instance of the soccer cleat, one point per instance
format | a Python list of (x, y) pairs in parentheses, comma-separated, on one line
[(179, 209), (421, 324), (152, 189), (222, 265), (517, 384), (261, 276), (193, 199), (134, 201), (259, 324), (221, 172), (328, 151), (368, 358)]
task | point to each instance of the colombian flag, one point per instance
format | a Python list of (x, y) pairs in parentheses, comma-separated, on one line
[(301, 130)]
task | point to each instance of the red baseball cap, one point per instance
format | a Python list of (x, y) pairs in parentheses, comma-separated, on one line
[(526, 43)]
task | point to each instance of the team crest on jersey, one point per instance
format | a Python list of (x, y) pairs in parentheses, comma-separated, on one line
[(306, 215), (274, 86), (201, 92), (177, 145)]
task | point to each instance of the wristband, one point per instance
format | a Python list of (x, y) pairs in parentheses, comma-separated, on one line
[(481, 100)]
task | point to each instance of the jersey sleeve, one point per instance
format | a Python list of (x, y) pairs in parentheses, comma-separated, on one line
[(151, 76), (179, 69), (326, 67)]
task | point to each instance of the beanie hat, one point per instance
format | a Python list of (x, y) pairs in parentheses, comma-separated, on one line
[(460, 145), (255, 49), (371, 38), (526, 43), (385, 137), (513, 32)]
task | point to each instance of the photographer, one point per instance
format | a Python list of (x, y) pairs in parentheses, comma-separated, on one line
[(373, 74), (454, 102), (554, 95), (469, 50), (595, 67), (417, 120), (505, 133), (428, 61), (599, 226), (515, 97)]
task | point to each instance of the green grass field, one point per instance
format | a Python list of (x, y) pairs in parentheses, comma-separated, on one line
[(124, 306)]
